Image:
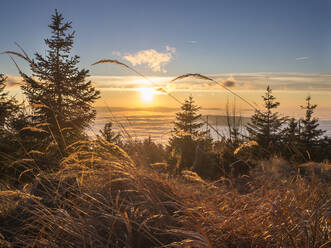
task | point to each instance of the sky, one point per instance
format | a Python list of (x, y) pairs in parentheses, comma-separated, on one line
[(245, 45)]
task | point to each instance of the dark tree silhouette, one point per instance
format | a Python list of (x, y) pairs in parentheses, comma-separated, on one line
[(291, 145), (264, 126), (8, 106), (109, 135), (309, 134), (185, 133), (61, 96)]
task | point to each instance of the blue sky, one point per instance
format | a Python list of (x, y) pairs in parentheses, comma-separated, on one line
[(209, 37), (251, 43)]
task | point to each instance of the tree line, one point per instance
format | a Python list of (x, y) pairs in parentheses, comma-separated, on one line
[(267, 135)]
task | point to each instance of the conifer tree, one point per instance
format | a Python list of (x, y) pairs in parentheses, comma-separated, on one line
[(264, 126), (60, 94), (291, 140), (9, 110), (109, 135), (310, 134), (187, 128), (291, 131), (8, 106)]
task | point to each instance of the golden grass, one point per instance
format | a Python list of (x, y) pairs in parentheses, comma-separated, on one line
[(101, 199), (244, 145)]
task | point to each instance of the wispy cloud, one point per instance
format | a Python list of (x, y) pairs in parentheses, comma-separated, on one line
[(302, 58), (171, 49), (116, 53), (238, 81), (127, 82), (192, 41), (155, 60)]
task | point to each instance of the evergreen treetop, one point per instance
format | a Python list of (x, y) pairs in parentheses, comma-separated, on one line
[(187, 129), (310, 132), (109, 135), (60, 93), (264, 126), (188, 120)]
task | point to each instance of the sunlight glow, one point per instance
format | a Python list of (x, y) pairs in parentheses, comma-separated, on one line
[(147, 94)]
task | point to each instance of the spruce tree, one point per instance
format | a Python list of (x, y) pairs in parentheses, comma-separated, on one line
[(9, 109), (310, 134), (8, 106), (58, 90), (265, 126), (291, 140), (187, 128), (109, 135)]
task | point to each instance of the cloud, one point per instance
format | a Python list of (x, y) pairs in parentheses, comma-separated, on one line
[(171, 49), (307, 82), (230, 82), (238, 81), (192, 41), (155, 60), (155, 109), (127, 82), (117, 53), (302, 58)]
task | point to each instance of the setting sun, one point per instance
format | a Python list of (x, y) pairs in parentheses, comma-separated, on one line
[(147, 94)]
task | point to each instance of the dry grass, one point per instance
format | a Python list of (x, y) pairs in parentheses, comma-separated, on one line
[(101, 199)]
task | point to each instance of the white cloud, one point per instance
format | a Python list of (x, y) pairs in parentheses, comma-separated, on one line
[(155, 60), (302, 58), (171, 49), (192, 41)]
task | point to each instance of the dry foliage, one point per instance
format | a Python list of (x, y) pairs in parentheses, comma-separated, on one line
[(101, 199)]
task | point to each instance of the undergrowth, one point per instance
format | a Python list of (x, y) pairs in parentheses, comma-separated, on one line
[(100, 198)]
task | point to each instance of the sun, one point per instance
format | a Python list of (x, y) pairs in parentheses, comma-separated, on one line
[(147, 94)]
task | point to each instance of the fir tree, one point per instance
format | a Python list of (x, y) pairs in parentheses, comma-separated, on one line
[(10, 149), (291, 141), (61, 96), (187, 128), (233, 123), (265, 126), (8, 106), (109, 135), (291, 132), (310, 134)]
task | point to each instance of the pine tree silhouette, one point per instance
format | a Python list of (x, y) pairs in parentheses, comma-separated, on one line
[(61, 95), (8, 106), (264, 126), (310, 134), (187, 128)]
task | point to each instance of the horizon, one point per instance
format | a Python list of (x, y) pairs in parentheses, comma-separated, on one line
[(245, 46)]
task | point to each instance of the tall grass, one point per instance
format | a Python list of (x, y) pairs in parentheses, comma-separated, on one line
[(100, 198)]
